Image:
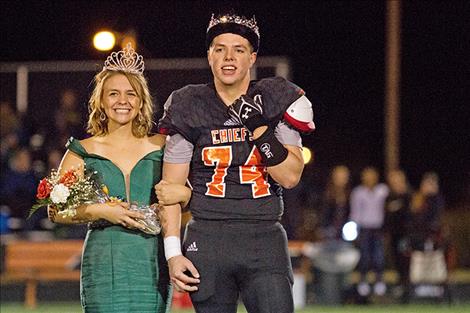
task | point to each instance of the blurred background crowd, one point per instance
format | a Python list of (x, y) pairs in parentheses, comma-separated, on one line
[(28, 153)]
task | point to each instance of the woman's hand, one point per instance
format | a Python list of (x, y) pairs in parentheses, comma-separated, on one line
[(118, 213), (169, 194), (52, 212)]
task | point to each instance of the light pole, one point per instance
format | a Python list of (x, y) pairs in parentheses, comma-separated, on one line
[(392, 86)]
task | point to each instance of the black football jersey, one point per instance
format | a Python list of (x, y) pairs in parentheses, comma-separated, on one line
[(227, 174)]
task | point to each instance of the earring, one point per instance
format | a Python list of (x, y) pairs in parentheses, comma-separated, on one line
[(140, 118), (102, 116)]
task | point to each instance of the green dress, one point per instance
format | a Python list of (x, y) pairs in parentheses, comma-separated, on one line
[(124, 270)]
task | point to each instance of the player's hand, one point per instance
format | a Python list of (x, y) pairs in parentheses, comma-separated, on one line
[(169, 194), (183, 275), (247, 112)]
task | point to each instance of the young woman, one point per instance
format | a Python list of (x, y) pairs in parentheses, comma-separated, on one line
[(122, 268)]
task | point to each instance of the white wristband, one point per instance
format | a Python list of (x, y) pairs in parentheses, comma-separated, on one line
[(172, 247)]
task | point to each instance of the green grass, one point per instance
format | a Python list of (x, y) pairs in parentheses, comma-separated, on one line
[(412, 308)]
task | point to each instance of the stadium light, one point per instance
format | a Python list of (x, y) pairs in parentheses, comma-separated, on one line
[(104, 40), (307, 155), (350, 231)]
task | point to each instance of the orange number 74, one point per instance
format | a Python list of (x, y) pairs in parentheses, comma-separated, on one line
[(252, 172)]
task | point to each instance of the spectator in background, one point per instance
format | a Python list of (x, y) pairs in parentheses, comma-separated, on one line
[(10, 122), (367, 210), (300, 218), (426, 207), (68, 119), (396, 218), (18, 187), (335, 206), (54, 156), (9, 145), (10, 126)]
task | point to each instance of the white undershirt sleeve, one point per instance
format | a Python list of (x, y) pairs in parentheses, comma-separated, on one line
[(178, 149), (287, 135)]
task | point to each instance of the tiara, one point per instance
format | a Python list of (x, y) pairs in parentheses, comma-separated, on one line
[(240, 20), (126, 60)]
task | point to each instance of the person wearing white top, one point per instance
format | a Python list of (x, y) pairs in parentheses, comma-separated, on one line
[(367, 211)]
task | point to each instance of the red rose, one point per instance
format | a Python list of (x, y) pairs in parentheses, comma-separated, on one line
[(44, 189), (68, 179)]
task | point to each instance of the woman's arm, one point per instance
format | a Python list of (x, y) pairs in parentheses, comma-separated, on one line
[(85, 213), (116, 213)]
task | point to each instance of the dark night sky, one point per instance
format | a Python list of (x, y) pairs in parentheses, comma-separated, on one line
[(337, 53)]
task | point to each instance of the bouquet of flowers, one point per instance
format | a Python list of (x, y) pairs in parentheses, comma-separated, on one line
[(68, 191)]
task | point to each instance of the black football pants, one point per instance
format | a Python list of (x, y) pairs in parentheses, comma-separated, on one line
[(247, 259)]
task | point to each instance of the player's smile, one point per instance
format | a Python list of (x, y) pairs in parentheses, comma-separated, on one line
[(229, 70)]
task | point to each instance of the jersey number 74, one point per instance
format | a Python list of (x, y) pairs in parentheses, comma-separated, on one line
[(252, 172)]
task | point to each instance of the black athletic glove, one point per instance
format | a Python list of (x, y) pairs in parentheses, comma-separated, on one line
[(247, 112)]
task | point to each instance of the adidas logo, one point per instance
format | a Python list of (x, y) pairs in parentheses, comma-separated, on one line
[(231, 122), (192, 247)]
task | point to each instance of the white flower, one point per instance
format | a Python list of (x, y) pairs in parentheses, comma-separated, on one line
[(60, 193)]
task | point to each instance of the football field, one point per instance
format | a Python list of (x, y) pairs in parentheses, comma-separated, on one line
[(411, 308)]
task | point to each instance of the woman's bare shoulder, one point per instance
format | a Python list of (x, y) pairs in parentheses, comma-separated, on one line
[(91, 143), (71, 160)]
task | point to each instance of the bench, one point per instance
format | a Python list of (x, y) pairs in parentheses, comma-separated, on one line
[(33, 262)]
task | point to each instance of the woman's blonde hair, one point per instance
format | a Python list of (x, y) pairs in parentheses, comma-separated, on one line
[(98, 120)]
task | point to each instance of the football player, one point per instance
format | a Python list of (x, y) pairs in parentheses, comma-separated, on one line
[(228, 137)]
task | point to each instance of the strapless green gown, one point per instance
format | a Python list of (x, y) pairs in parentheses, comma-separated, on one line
[(123, 270)]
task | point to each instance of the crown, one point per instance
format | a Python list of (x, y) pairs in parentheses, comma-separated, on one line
[(231, 18), (126, 60)]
